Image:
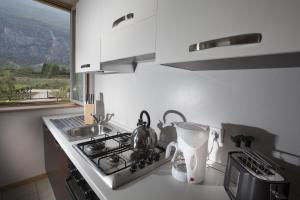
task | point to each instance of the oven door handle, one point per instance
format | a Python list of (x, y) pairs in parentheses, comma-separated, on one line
[(68, 179)]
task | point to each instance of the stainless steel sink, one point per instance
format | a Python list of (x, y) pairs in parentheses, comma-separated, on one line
[(86, 132), (74, 128)]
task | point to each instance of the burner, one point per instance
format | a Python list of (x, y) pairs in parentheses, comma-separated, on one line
[(139, 155), (114, 160), (94, 147), (123, 140), (118, 162), (106, 130)]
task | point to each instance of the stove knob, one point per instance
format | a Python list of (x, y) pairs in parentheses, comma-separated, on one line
[(150, 161), (74, 172), (142, 164), (80, 180), (133, 168), (156, 156), (88, 194)]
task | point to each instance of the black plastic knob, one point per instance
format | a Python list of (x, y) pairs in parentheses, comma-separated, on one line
[(142, 164), (88, 194), (133, 168), (156, 156), (150, 160), (80, 180), (74, 172)]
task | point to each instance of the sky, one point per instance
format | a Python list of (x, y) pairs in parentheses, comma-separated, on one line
[(36, 10)]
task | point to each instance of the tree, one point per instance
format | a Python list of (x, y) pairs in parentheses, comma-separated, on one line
[(50, 70), (7, 84)]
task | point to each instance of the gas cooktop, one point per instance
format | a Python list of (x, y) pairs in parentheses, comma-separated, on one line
[(115, 161)]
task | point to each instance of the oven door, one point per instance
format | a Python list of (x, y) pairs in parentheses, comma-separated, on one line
[(79, 191)]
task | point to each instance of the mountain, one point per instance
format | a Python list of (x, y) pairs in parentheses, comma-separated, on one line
[(32, 33)]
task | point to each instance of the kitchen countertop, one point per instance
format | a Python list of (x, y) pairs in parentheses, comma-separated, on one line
[(157, 185)]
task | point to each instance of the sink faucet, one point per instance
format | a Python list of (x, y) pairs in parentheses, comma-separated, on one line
[(101, 121)]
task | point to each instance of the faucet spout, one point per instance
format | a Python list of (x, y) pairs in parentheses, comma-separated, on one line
[(100, 121), (108, 117), (95, 118)]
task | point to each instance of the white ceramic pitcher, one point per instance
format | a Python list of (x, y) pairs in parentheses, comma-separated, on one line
[(192, 141)]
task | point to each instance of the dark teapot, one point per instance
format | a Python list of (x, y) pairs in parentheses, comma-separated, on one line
[(143, 137)]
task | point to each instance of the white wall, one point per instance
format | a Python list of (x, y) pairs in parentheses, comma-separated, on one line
[(261, 102), (22, 143)]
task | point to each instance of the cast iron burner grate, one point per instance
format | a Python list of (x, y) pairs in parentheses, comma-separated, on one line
[(118, 154)]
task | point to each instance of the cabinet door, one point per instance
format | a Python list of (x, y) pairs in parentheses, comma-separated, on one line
[(119, 13), (131, 41), (128, 28), (223, 22), (87, 37), (56, 162)]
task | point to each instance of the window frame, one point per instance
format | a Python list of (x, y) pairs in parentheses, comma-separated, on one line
[(72, 44), (73, 54)]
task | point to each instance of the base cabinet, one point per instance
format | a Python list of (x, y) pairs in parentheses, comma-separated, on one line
[(56, 163)]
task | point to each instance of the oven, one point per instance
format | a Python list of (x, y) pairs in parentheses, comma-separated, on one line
[(77, 186)]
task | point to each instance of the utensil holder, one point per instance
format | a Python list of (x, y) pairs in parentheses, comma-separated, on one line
[(88, 112)]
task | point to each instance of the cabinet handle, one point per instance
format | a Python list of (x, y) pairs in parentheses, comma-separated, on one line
[(85, 66), (122, 19), (250, 38), (70, 188)]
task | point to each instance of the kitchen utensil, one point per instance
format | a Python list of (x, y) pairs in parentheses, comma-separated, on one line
[(89, 108), (144, 137), (192, 142), (250, 175), (179, 166), (99, 104), (88, 114), (167, 130)]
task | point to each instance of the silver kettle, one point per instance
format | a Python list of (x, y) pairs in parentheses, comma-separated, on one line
[(143, 137)]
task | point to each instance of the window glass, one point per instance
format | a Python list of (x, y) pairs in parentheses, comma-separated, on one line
[(77, 87), (34, 54)]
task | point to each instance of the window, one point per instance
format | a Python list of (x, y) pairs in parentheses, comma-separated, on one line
[(35, 55)]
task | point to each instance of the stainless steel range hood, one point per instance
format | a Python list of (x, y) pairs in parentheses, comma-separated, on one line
[(285, 60), (126, 65)]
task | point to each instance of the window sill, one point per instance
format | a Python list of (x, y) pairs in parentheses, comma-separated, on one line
[(38, 107)]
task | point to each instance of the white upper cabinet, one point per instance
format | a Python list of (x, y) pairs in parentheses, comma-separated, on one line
[(88, 33), (202, 30), (128, 28)]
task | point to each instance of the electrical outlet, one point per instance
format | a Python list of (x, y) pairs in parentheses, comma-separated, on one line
[(218, 133)]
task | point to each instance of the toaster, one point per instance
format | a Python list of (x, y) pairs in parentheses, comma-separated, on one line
[(249, 176)]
